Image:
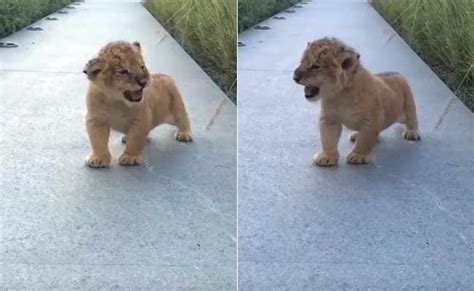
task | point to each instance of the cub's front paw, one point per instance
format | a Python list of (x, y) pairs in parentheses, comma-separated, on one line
[(130, 160), (411, 134), (98, 161), (356, 159), (184, 136), (326, 160)]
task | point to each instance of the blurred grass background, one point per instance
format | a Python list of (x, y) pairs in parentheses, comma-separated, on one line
[(442, 33), (207, 29), (252, 12), (16, 14)]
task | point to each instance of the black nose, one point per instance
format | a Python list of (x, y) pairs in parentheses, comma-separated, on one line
[(297, 76), (142, 82)]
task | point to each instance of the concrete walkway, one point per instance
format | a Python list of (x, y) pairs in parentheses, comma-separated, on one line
[(404, 222), (167, 225)]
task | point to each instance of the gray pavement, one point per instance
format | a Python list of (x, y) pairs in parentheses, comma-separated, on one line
[(169, 224), (405, 221)]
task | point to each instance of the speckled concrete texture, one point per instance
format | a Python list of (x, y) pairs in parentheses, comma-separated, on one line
[(167, 225), (404, 222)]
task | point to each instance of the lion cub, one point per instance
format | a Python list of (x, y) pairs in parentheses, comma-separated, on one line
[(123, 96), (352, 96)]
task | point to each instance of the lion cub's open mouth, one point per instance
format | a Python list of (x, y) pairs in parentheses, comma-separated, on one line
[(310, 92), (133, 96)]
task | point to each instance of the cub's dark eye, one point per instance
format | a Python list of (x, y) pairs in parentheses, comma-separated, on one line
[(143, 67), (123, 72), (315, 67)]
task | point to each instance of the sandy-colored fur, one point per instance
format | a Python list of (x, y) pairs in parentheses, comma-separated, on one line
[(119, 68), (352, 96)]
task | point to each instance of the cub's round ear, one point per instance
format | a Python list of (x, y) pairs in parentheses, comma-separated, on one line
[(93, 68), (350, 58), (347, 63), (137, 45)]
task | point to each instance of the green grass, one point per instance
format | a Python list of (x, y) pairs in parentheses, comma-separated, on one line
[(207, 30), (252, 12), (442, 33), (16, 14)]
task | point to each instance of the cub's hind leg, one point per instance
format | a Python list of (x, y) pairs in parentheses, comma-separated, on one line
[(180, 115), (184, 133), (409, 117)]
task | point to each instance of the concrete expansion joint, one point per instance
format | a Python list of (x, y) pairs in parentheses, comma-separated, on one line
[(216, 113), (445, 112)]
